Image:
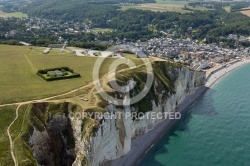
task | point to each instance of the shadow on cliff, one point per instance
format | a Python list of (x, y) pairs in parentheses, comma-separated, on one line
[(51, 140), (201, 108)]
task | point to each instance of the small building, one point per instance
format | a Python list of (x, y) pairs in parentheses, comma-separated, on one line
[(60, 39), (219, 59), (204, 64), (24, 43), (35, 27)]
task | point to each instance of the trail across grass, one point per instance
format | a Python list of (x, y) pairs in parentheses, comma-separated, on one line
[(12, 151)]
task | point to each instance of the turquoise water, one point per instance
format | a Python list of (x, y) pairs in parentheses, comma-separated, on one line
[(215, 132)]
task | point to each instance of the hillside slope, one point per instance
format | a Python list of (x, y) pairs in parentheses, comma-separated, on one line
[(57, 133)]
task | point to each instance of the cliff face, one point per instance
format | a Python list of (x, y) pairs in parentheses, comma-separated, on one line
[(51, 140), (59, 140), (113, 137)]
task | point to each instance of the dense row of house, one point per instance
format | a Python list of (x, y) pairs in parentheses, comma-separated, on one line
[(191, 52)]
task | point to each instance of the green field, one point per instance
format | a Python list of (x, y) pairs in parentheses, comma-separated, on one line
[(177, 7), (127, 55), (19, 65), (228, 9), (158, 7), (14, 14), (96, 30), (171, 2), (199, 8)]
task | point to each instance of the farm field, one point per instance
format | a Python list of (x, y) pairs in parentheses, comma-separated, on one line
[(19, 65), (158, 7), (164, 7), (199, 8), (246, 12), (171, 2), (96, 30), (15, 14)]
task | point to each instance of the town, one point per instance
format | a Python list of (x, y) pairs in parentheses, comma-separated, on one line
[(189, 52)]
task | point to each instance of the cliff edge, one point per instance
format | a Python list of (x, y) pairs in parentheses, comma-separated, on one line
[(59, 134)]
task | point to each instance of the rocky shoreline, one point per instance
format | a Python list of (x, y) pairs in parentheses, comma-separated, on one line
[(142, 144)]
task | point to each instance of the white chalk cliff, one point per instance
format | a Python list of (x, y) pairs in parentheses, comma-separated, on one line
[(56, 139), (113, 137)]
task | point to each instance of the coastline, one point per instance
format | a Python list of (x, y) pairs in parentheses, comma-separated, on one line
[(142, 144)]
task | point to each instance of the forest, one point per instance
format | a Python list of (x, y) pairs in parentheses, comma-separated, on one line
[(132, 24)]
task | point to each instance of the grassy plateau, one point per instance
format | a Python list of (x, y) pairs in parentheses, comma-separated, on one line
[(19, 65)]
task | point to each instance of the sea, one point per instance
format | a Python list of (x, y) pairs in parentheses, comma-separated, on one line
[(214, 132)]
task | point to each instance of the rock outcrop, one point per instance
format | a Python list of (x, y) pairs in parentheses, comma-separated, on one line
[(52, 141)]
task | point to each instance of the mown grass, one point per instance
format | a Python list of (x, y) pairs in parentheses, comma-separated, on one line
[(127, 55), (158, 7), (171, 2), (14, 14), (19, 65), (227, 9), (178, 7), (96, 30), (199, 8)]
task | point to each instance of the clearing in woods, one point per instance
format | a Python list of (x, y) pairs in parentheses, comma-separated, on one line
[(14, 14)]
